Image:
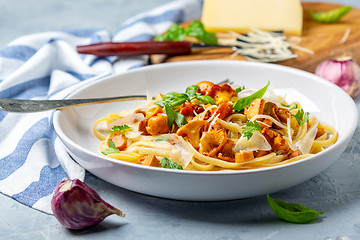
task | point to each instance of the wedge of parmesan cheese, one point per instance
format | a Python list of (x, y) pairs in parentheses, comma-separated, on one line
[(244, 15)]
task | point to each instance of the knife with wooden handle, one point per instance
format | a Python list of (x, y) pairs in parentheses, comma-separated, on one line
[(123, 49)]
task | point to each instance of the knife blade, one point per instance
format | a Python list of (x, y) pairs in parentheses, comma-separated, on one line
[(123, 49)]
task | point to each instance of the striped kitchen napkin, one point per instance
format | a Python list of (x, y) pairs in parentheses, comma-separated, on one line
[(47, 66)]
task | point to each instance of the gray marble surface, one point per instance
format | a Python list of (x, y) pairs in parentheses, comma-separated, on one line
[(336, 191)]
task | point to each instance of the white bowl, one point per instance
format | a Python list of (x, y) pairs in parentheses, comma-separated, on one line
[(325, 100)]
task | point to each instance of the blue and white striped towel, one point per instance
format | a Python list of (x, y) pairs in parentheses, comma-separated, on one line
[(47, 66)]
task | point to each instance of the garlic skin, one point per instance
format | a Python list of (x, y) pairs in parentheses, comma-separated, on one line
[(343, 72), (76, 206)]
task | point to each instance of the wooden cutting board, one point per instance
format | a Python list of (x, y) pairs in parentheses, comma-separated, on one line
[(322, 39)]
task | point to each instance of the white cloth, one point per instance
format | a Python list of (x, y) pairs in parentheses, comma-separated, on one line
[(47, 66)]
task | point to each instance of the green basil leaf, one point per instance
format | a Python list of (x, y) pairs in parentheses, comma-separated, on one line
[(191, 91), (174, 99), (241, 103), (196, 29), (249, 129), (172, 115), (167, 163), (330, 16), (292, 212), (178, 118), (206, 99), (174, 33)]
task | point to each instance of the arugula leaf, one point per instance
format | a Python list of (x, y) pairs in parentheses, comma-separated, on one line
[(111, 149), (301, 117), (241, 103), (174, 99), (249, 129), (172, 115), (174, 33), (120, 128), (239, 89), (167, 163), (292, 212), (330, 16), (196, 29), (285, 105)]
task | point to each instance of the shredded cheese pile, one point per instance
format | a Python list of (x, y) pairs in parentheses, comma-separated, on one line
[(261, 46)]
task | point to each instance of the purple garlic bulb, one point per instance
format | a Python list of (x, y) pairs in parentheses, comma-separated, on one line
[(343, 71), (76, 206)]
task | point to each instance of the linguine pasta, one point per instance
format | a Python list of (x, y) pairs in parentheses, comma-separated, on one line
[(213, 127)]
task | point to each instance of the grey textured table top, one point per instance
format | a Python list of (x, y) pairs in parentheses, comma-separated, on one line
[(336, 191)]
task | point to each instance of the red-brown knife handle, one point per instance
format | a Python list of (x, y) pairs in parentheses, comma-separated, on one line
[(135, 48)]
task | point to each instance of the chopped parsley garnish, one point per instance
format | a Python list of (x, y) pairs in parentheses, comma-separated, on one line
[(111, 149), (120, 128), (288, 106), (195, 29), (292, 212), (301, 117), (249, 129), (167, 163), (241, 103), (293, 107)]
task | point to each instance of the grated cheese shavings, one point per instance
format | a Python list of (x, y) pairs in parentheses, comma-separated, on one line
[(213, 121), (302, 49), (345, 36), (262, 46)]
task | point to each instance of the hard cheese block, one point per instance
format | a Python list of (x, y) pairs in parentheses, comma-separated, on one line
[(243, 15)]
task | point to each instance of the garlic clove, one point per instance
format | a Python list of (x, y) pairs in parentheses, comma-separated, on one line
[(76, 206)]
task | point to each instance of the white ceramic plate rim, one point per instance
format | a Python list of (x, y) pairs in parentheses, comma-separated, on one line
[(352, 122)]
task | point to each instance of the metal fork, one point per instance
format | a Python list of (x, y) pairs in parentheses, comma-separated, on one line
[(26, 106)]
